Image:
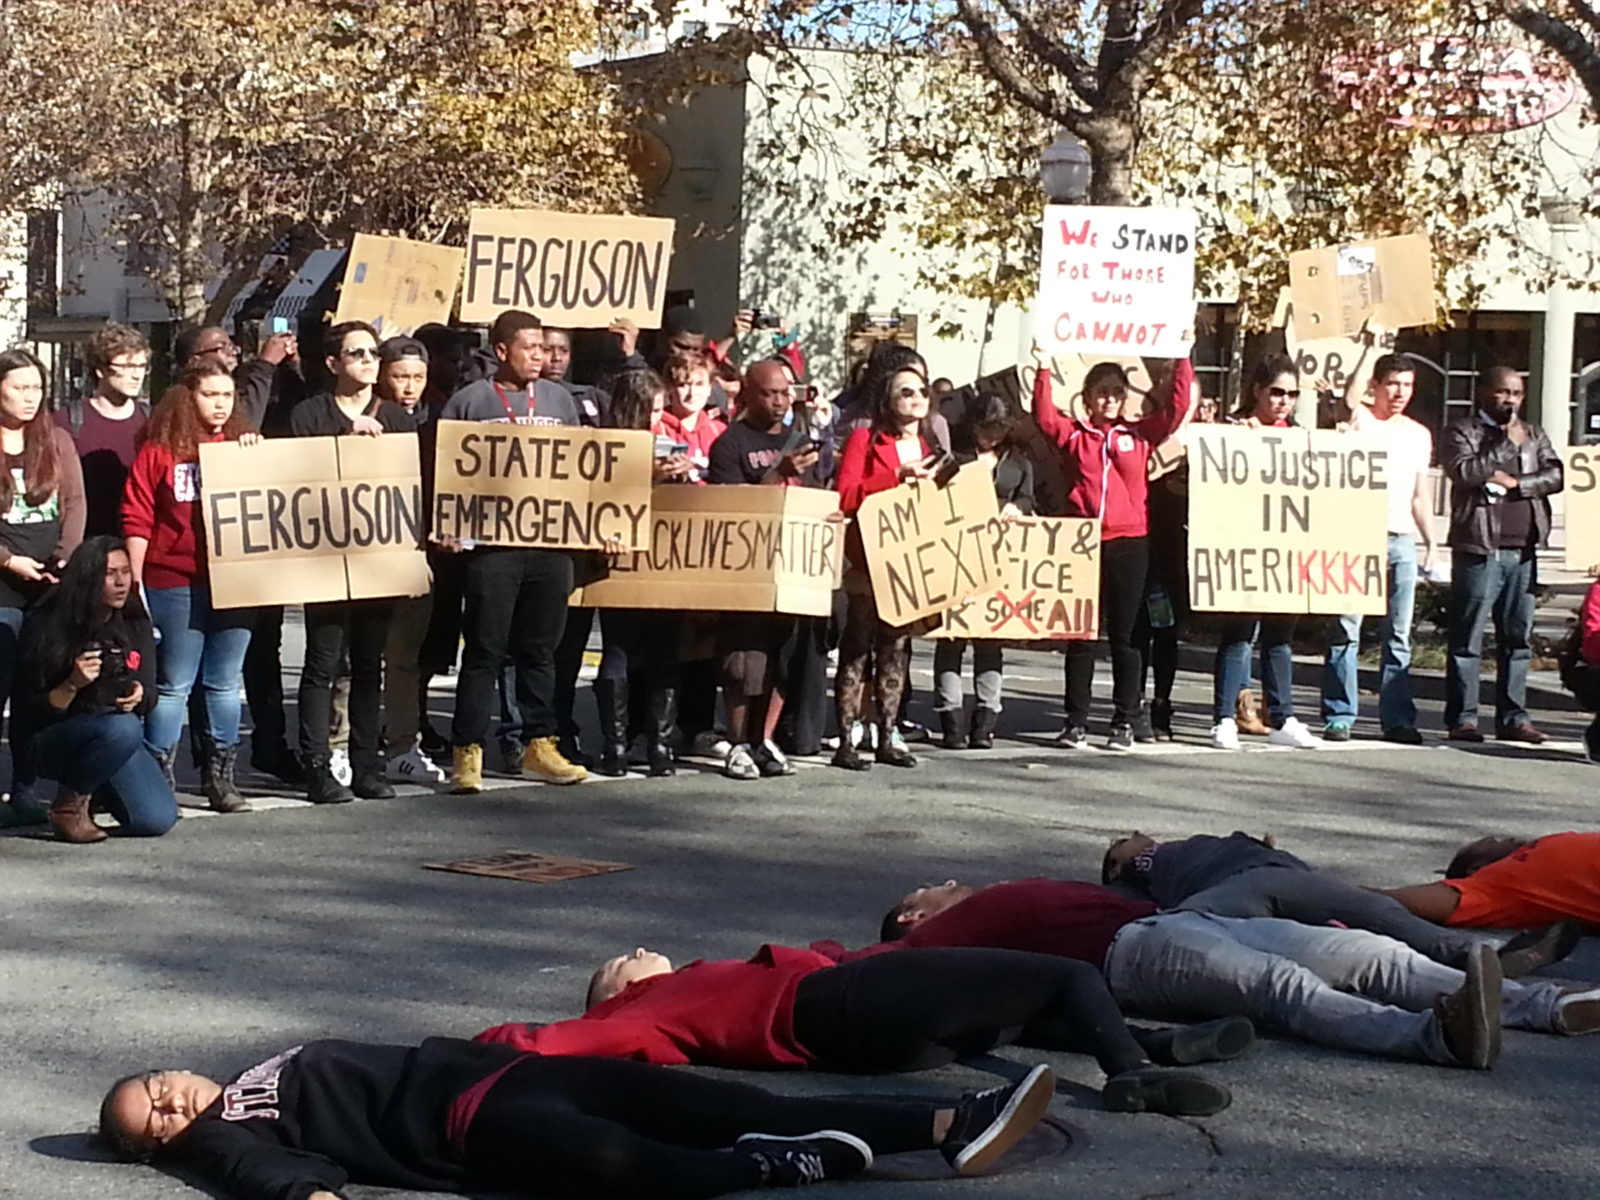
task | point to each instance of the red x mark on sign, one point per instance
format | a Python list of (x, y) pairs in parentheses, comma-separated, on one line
[(1019, 610)]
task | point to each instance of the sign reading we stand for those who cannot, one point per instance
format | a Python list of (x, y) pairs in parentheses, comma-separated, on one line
[(569, 269), (1116, 281), (306, 520), (929, 548), (731, 549), (1049, 585), (1287, 521), (542, 486)]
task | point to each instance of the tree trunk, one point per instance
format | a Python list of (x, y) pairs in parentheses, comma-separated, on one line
[(1110, 137)]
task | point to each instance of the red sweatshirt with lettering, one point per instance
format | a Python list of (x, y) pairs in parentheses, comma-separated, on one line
[(161, 503), (1108, 468), (720, 1014)]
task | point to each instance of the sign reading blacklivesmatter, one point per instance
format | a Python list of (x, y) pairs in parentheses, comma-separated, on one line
[(566, 269), (931, 548), (545, 486), (306, 520), (1049, 587), (1117, 281), (1287, 521), (731, 549)]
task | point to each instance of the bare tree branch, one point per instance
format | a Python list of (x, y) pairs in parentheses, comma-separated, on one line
[(1054, 53), (1006, 72), (1578, 51)]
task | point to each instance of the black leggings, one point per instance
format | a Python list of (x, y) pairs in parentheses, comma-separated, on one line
[(914, 1009), (600, 1127)]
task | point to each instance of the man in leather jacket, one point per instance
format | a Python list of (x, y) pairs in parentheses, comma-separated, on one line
[(1503, 469)]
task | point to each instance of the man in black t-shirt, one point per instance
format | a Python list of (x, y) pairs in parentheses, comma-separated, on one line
[(754, 648)]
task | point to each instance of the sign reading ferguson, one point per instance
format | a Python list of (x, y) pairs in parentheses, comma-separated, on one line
[(931, 548), (566, 269), (731, 548), (1287, 521), (547, 486), (1117, 281), (306, 520), (1049, 586)]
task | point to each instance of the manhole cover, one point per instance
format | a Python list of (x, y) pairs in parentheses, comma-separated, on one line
[(1049, 1140)]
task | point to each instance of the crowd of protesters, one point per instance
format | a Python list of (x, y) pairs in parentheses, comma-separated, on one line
[(110, 643)]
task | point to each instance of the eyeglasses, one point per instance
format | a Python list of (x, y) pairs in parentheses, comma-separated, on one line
[(360, 354), (128, 368), (218, 348), (907, 393), (1278, 393)]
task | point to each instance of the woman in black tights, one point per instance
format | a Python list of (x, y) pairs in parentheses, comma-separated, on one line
[(451, 1115)]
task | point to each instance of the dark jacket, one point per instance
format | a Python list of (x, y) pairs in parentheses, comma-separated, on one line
[(1013, 480), (127, 644), (1471, 451), (320, 416)]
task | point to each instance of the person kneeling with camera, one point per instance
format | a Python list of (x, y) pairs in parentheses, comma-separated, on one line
[(87, 678)]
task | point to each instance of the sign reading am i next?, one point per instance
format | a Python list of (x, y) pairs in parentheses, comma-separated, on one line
[(1287, 521), (1117, 281)]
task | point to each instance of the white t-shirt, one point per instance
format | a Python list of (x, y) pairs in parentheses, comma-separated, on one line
[(1410, 447)]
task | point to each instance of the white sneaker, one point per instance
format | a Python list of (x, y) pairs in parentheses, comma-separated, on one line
[(1225, 734), (740, 763), (339, 766), (414, 767), (1293, 734), (711, 744)]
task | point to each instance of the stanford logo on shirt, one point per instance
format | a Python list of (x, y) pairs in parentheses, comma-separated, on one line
[(255, 1093), (186, 482)]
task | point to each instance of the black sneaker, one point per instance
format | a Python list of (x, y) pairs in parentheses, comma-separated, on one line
[(1073, 737), (1470, 1018), (1210, 1041), (809, 1158), (911, 731), (1537, 948), (989, 1123), (1144, 730), (278, 761), (323, 788), (371, 785), (1121, 738), (1591, 742), (1403, 735), (1157, 1090)]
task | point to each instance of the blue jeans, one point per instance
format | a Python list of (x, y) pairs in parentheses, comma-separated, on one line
[(103, 754), (1340, 682), (1499, 585), (1231, 673), (1344, 988), (197, 642)]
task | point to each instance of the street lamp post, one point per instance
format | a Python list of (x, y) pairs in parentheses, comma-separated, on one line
[(1066, 169)]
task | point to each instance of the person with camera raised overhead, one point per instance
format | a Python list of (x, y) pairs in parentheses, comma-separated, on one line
[(1106, 458), (87, 679)]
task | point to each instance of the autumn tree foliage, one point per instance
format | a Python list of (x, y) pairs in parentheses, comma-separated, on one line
[(217, 126)]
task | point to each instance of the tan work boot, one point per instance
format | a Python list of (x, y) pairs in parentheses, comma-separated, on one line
[(70, 817), (467, 777), (1247, 714), (543, 760)]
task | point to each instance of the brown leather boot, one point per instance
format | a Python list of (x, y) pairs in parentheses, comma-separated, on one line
[(1247, 714), (70, 817)]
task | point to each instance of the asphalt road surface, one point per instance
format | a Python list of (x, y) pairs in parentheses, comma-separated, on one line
[(235, 937)]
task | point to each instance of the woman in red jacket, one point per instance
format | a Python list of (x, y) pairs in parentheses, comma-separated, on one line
[(890, 450), (1106, 459), (161, 521)]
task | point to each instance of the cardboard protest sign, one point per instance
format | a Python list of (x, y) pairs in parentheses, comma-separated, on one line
[(566, 269), (1117, 281), (1049, 587), (528, 866), (731, 549), (1582, 497), (930, 548), (1336, 290), (306, 520), (1346, 362), (1287, 520), (545, 486), (396, 285)]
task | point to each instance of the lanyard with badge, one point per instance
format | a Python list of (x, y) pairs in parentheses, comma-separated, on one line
[(511, 413)]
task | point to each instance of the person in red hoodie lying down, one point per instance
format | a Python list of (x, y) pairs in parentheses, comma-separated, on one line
[(790, 1009)]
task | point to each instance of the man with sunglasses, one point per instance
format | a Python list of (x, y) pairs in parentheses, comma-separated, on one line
[(1410, 447), (1504, 471)]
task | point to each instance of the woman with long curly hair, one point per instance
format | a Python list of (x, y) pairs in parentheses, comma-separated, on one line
[(161, 518)]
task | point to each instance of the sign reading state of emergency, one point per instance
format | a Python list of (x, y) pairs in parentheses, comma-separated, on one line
[(1287, 521), (1117, 281)]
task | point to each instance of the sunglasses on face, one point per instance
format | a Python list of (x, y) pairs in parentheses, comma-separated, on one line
[(1278, 393), (360, 354), (907, 393)]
